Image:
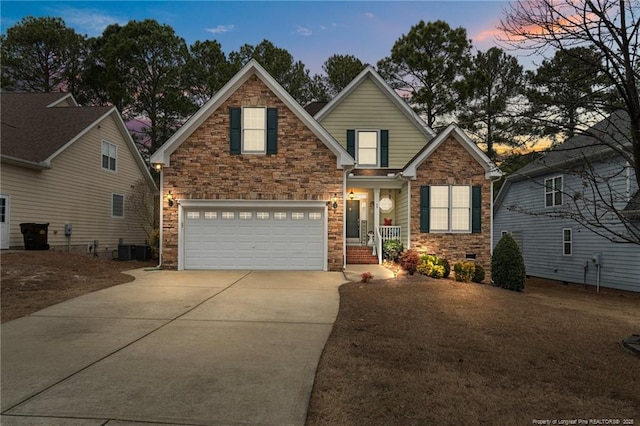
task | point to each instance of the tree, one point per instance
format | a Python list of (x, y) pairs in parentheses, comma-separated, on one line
[(425, 63), (562, 90), (340, 70), (139, 68), (41, 55), (206, 70), (611, 30), (279, 63), (490, 88), (610, 27)]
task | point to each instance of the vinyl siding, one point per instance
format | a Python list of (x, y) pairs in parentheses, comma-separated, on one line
[(402, 210), (367, 107), (76, 190), (542, 236)]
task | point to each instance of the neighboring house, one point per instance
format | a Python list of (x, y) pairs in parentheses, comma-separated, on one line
[(536, 205), (71, 167), (253, 181)]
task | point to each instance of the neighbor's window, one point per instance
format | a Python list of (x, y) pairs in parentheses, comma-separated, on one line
[(117, 205), (367, 143), (450, 208), (109, 156), (567, 242), (254, 129), (553, 191)]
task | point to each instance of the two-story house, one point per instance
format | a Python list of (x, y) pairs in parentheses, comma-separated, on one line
[(565, 210), (72, 167), (253, 181)]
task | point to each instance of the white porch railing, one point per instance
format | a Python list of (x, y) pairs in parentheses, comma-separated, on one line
[(384, 233)]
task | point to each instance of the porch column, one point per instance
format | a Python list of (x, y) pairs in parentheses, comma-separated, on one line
[(376, 208)]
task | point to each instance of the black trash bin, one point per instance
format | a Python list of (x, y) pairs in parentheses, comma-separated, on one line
[(35, 235)]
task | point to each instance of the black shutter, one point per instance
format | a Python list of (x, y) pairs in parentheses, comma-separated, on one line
[(235, 130), (351, 143), (476, 209), (424, 209), (272, 130), (384, 148)]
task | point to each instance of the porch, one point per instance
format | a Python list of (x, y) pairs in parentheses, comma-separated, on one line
[(376, 210)]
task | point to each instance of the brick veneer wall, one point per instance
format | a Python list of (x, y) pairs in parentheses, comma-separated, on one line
[(451, 164), (203, 169)]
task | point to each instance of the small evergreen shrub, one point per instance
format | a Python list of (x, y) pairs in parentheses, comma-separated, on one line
[(432, 266), (446, 267), (410, 260), (464, 271), (478, 274), (391, 250), (507, 265)]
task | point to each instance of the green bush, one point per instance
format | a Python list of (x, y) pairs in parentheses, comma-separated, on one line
[(432, 266), (391, 250), (507, 265), (447, 268), (478, 274), (464, 271), (410, 259)]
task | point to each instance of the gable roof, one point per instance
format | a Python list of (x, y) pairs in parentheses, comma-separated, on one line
[(314, 107), (162, 155), (370, 72), (491, 170), (35, 128)]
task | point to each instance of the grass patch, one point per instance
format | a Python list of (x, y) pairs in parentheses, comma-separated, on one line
[(420, 351)]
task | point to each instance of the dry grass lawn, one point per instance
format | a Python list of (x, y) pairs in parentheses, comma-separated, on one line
[(418, 351)]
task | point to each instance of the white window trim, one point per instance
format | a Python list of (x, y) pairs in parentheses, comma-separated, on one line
[(450, 212), (357, 146), (123, 205), (570, 242), (116, 157), (553, 191), (242, 150)]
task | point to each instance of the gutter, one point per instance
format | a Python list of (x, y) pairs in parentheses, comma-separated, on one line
[(42, 165)]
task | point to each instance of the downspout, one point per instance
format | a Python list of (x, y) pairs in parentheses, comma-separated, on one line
[(161, 220), (491, 224)]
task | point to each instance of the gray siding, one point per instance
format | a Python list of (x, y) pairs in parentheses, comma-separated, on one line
[(542, 237)]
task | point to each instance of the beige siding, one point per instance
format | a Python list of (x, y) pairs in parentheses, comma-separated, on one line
[(367, 107), (401, 210), (76, 190)]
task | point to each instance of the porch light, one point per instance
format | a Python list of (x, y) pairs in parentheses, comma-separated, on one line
[(157, 166), (335, 201), (170, 199), (352, 195)]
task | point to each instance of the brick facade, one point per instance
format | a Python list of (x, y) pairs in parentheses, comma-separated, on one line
[(202, 168), (452, 164)]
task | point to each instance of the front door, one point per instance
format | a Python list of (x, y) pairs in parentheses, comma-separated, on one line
[(4, 222), (353, 218)]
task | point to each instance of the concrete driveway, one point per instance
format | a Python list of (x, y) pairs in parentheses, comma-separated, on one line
[(191, 347)]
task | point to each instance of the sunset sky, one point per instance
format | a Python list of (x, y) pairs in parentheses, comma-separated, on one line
[(310, 31)]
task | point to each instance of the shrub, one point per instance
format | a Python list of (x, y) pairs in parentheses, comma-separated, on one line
[(507, 265), (447, 268), (410, 260), (478, 274), (463, 271), (391, 250), (366, 277), (432, 266)]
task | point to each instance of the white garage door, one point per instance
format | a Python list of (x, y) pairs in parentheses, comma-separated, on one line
[(254, 238)]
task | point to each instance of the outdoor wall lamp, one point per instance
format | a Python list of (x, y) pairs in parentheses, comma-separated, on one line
[(335, 201), (170, 199), (352, 195), (157, 167)]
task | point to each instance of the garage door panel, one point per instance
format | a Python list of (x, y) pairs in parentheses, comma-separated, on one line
[(254, 238)]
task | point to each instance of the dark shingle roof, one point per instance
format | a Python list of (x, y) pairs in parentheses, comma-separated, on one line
[(32, 132), (314, 107), (602, 139)]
